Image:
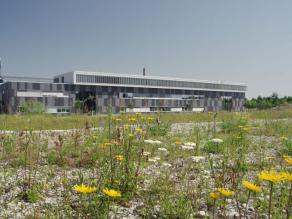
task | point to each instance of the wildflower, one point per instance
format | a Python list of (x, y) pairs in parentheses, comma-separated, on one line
[(146, 153), (140, 130), (162, 149), (197, 158), (152, 141), (177, 142), (119, 157), (150, 118), (226, 192), (112, 193), (190, 144), (214, 195), (271, 176), (216, 140), (185, 147), (269, 158), (131, 135), (84, 189), (132, 120), (284, 138), (251, 186), (288, 159), (287, 176), (166, 164)]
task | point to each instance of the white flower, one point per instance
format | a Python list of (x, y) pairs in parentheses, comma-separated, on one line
[(166, 164), (152, 160), (149, 141), (190, 144), (162, 149), (146, 153), (156, 158), (197, 158), (185, 147), (216, 140)]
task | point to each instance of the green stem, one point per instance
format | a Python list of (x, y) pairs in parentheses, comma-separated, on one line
[(214, 206), (289, 206), (270, 201), (248, 197)]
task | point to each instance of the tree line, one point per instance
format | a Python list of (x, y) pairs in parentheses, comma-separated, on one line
[(267, 102)]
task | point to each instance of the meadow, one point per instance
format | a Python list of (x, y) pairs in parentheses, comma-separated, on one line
[(195, 165)]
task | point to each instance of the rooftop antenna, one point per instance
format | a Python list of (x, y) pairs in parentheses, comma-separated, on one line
[(144, 72)]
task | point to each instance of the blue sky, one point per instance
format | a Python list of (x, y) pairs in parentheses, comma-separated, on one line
[(247, 41)]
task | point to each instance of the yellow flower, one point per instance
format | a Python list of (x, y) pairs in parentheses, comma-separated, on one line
[(226, 192), (119, 157), (271, 176), (284, 138), (150, 118), (84, 189), (288, 159), (214, 195), (112, 193), (178, 142), (269, 158), (132, 120), (139, 130), (287, 176), (251, 186), (131, 135)]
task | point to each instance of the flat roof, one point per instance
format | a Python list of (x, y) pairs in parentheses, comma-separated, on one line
[(155, 77)]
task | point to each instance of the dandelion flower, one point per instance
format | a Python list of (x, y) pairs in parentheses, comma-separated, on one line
[(84, 189), (288, 159), (287, 176), (271, 176), (112, 193), (119, 157), (226, 192), (214, 195), (251, 186)]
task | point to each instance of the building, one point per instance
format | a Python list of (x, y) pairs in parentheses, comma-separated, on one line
[(96, 91)]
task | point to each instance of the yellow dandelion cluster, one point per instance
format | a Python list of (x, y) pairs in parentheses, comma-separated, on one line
[(271, 176), (84, 189), (226, 192), (251, 186), (214, 195), (119, 157), (288, 159), (112, 193)]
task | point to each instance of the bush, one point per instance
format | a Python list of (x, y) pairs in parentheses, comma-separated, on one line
[(32, 107)]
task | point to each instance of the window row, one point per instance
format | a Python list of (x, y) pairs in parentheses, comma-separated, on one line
[(153, 82)]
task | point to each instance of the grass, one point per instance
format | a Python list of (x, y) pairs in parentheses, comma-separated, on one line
[(138, 162), (48, 122)]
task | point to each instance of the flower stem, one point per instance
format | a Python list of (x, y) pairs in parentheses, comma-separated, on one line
[(270, 201), (248, 197), (289, 206), (214, 206)]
